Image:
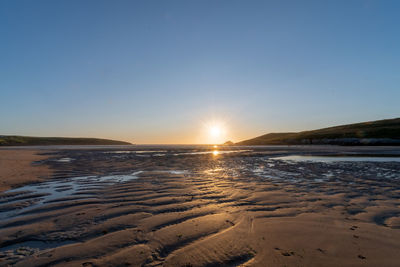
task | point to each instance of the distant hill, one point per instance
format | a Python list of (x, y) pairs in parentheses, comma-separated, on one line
[(382, 132), (228, 143), (14, 140)]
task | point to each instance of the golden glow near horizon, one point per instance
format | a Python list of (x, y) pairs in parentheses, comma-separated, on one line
[(216, 132)]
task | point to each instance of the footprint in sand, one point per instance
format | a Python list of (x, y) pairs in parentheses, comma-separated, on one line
[(287, 254), (353, 227)]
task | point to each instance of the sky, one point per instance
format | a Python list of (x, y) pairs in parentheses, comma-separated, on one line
[(153, 72)]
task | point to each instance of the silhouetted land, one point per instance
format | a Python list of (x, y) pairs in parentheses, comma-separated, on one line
[(382, 132), (14, 140)]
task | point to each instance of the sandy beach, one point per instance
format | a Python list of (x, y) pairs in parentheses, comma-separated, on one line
[(199, 133), (193, 207), (17, 168)]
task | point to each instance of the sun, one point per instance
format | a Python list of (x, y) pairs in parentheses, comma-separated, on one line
[(215, 132)]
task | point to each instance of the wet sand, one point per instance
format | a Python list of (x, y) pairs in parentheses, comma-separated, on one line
[(166, 208), (17, 168)]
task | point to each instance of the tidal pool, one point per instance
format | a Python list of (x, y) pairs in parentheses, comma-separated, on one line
[(337, 158), (23, 199)]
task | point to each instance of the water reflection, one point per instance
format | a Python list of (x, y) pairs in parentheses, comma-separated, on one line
[(336, 158)]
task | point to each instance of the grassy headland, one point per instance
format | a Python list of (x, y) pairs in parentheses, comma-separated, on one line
[(382, 132), (14, 140)]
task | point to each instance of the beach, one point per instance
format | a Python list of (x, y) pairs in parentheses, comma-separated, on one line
[(16, 168), (200, 206)]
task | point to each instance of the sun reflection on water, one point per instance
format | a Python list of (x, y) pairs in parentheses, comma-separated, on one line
[(215, 152)]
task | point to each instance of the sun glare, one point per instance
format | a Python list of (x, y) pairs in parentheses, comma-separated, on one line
[(215, 132)]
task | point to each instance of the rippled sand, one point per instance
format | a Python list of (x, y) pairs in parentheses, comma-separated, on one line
[(177, 207)]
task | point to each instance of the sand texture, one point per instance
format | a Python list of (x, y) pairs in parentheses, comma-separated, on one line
[(165, 208), (17, 168)]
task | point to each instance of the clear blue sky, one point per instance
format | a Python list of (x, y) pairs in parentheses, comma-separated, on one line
[(158, 71)]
